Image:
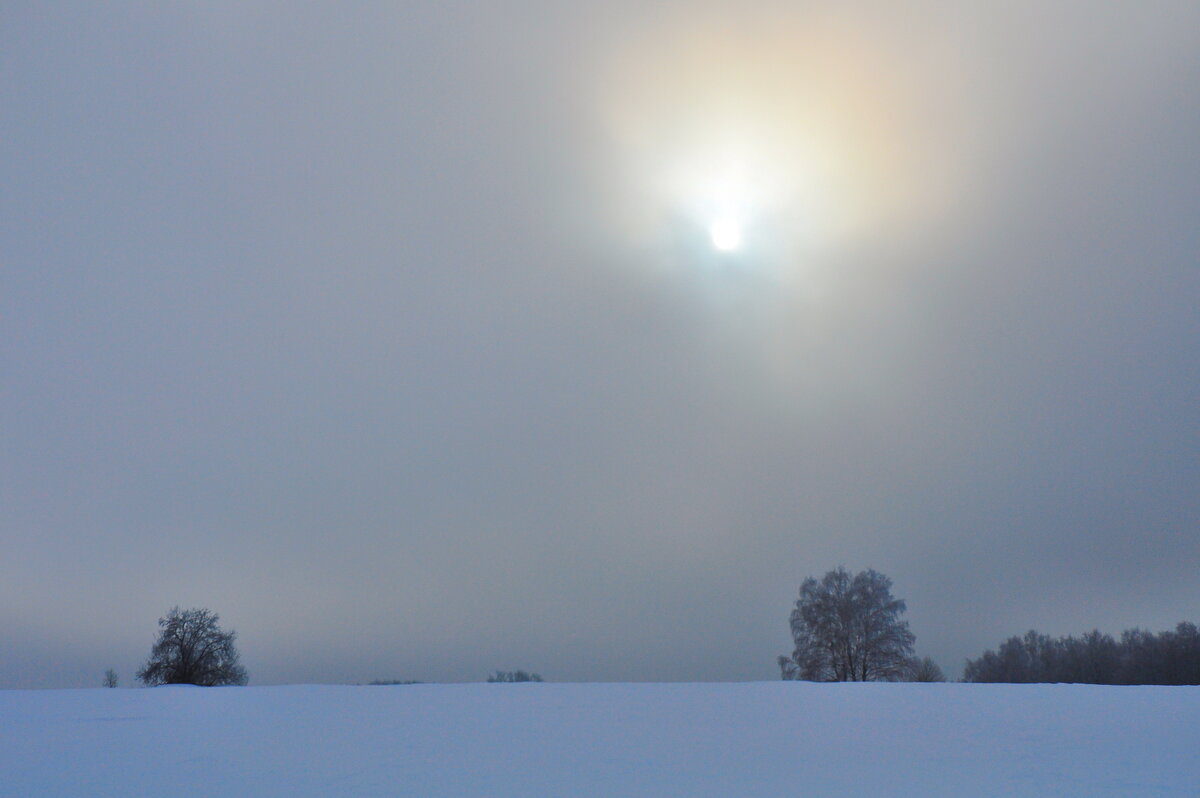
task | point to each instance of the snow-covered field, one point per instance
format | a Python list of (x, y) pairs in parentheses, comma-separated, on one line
[(754, 739)]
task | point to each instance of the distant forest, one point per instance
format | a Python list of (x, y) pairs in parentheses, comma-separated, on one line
[(1139, 657)]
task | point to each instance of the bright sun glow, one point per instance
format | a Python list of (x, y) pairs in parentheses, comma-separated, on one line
[(781, 144), (726, 234)]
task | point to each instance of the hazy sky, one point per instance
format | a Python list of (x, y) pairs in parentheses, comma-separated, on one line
[(394, 334)]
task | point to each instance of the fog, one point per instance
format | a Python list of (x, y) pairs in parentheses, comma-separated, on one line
[(396, 336)]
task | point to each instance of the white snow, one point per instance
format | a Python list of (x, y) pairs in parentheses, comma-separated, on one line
[(751, 739)]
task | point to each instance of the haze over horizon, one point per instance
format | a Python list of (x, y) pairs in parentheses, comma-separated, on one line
[(424, 340)]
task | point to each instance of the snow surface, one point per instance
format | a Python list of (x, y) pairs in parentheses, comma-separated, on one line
[(750, 739)]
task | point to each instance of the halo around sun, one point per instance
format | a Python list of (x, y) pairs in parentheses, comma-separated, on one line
[(783, 144)]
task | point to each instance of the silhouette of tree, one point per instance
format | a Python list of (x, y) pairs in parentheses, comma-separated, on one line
[(192, 649), (848, 629)]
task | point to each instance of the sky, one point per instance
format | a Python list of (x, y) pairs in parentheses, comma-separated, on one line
[(397, 334)]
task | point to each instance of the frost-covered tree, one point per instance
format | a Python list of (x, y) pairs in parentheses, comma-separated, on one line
[(192, 649), (110, 678), (848, 629)]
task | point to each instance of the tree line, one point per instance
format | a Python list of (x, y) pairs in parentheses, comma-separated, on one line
[(844, 628), (1138, 657), (849, 628)]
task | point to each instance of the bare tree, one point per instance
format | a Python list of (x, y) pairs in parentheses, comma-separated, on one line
[(192, 649), (110, 678), (810, 659), (924, 670), (848, 629)]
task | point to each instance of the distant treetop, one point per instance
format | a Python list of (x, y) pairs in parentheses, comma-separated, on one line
[(514, 676), (388, 682)]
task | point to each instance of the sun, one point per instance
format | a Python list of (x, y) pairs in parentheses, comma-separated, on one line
[(777, 148), (726, 234)]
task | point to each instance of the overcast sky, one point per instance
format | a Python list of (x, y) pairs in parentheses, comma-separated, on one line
[(395, 334)]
